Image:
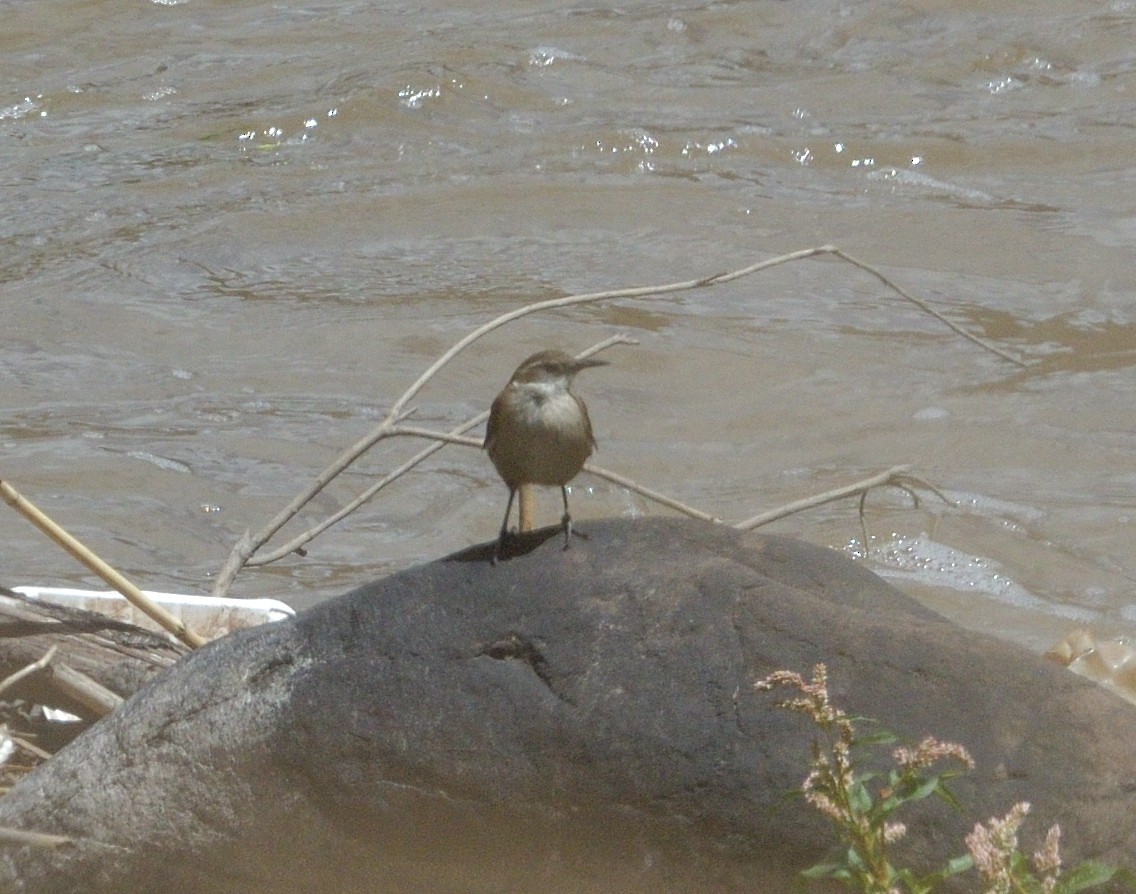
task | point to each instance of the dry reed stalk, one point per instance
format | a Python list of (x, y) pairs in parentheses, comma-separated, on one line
[(35, 839), (85, 555), (91, 694)]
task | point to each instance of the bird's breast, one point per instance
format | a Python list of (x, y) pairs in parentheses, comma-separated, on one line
[(540, 436)]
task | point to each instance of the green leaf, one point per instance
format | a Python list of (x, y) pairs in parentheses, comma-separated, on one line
[(925, 789), (947, 795), (1020, 869), (823, 870), (1085, 875), (886, 807), (859, 798), (855, 861), (883, 737), (957, 865), (927, 883), (906, 877)]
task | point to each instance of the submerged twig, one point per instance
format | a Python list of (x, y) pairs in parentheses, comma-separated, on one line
[(860, 514)]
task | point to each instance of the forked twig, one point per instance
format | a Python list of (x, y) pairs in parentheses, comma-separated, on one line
[(439, 441), (249, 544), (907, 484), (242, 553)]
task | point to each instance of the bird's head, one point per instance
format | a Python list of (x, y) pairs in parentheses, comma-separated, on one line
[(551, 368)]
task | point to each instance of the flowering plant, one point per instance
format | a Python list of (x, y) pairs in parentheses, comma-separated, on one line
[(862, 807)]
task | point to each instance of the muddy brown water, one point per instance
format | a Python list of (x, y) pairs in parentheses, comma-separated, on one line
[(233, 233)]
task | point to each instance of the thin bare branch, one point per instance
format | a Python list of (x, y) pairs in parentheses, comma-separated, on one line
[(927, 485), (237, 559), (34, 668), (654, 495), (252, 542), (610, 341), (925, 307), (414, 431), (440, 441), (719, 278), (906, 483), (244, 551), (848, 490)]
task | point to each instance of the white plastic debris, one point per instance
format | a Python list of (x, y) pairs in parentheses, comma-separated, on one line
[(209, 616)]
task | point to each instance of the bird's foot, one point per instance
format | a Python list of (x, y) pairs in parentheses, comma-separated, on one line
[(501, 538), (569, 530)]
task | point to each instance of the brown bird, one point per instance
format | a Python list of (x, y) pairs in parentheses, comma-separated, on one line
[(539, 431)]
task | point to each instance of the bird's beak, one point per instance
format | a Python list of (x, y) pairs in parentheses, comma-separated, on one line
[(587, 362)]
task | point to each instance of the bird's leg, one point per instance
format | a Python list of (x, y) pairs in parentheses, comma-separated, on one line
[(566, 521), (504, 528)]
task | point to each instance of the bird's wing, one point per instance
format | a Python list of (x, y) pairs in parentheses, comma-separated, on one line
[(493, 424), (587, 422)]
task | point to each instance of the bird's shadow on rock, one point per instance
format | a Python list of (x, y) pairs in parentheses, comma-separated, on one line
[(516, 545)]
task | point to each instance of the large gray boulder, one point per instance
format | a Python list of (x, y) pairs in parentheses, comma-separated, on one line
[(579, 721)]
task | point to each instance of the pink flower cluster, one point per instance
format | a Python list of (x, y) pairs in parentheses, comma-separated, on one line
[(928, 752), (815, 702), (992, 847)]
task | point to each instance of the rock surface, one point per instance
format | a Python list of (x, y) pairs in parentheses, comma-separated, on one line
[(565, 722)]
